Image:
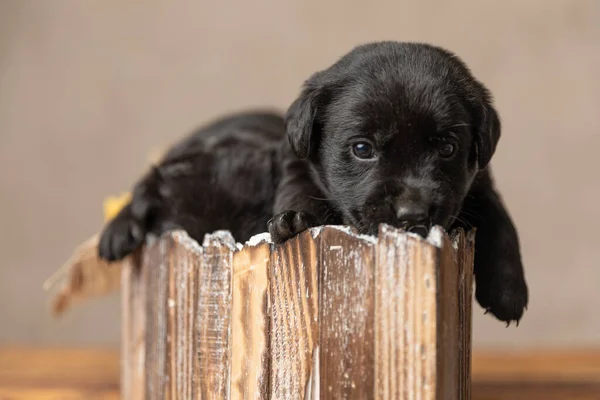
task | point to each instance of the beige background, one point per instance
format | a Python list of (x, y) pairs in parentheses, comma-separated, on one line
[(88, 88)]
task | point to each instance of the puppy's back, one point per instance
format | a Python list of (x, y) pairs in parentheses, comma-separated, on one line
[(222, 176), (257, 128)]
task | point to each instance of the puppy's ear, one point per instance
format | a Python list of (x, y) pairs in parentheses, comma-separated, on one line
[(301, 121), (487, 131)]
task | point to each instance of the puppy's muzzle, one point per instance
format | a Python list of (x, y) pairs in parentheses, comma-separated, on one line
[(412, 210)]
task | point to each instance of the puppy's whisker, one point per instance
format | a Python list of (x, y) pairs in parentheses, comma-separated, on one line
[(320, 198), (459, 125), (471, 213), (462, 221)]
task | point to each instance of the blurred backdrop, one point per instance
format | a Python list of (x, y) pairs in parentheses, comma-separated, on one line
[(88, 89)]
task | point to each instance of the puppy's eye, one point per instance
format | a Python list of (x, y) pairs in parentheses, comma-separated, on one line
[(363, 150), (446, 150)]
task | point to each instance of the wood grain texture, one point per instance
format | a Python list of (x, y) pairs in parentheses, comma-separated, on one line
[(134, 281), (464, 245), (294, 315), (89, 374), (329, 314), (250, 323), (184, 260), (448, 332), (156, 342), (313, 386), (407, 317), (58, 373), (213, 283), (529, 366), (346, 315), (454, 297)]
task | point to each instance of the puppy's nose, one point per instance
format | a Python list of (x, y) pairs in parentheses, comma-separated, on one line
[(414, 218), (412, 212)]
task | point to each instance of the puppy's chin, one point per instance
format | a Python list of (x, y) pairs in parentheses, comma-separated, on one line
[(372, 228), (369, 224)]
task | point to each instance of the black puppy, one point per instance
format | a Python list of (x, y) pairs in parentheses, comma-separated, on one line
[(395, 133), (223, 176)]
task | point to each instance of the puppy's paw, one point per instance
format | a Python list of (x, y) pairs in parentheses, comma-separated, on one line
[(121, 237), (504, 296), (289, 223)]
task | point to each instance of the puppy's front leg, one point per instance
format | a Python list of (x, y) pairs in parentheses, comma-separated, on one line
[(499, 277), (299, 204)]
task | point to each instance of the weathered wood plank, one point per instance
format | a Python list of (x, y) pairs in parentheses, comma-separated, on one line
[(170, 389), (406, 316), (183, 260), (250, 323), (157, 268), (425, 322), (213, 283), (448, 332), (133, 298), (294, 315), (346, 315), (464, 244)]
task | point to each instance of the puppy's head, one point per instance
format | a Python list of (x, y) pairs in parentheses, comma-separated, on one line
[(395, 133)]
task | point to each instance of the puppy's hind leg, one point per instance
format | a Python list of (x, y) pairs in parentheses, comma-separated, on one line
[(128, 230)]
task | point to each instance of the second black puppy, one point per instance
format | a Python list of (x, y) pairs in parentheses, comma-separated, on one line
[(395, 133)]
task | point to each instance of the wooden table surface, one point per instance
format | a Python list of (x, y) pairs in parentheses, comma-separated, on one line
[(69, 374)]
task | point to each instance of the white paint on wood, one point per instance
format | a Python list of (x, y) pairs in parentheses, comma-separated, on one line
[(255, 240), (219, 238)]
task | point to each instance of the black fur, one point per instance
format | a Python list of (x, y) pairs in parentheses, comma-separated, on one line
[(410, 102), (223, 176)]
